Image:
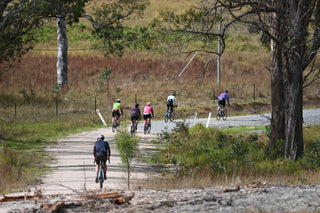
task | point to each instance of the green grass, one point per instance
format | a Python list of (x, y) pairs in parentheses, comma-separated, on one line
[(216, 155), (22, 154)]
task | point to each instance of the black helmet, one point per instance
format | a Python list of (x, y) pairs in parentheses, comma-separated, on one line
[(137, 105), (174, 94), (226, 91)]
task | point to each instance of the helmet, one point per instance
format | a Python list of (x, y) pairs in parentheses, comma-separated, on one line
[(226, 91), (100, 137), (137, 105), (174, 94), (118, 100), (148, 104)]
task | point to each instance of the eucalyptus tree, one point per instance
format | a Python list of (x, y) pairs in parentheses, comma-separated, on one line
[(291, 29), (17, 20)]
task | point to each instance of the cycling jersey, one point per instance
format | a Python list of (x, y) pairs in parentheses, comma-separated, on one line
[(117, 106), (224, 96), (147, 110), (173, 98), (135, 111)]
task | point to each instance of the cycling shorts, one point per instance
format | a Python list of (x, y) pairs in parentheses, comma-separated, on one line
[(115, 113), (134, 116), (222, 102), (101, 157), (146, 116)]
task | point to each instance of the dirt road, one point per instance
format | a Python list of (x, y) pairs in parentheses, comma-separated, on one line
[(73, 169)]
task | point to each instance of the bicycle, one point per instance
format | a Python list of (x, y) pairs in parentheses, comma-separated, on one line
[(221, 113), (115, 124), (170, 115), (134, 126), (147, 126), (101, 174)]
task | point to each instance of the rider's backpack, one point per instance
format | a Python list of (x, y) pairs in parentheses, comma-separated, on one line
[(170, 102)]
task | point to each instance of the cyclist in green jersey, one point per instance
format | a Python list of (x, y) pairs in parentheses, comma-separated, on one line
[(117, 110)]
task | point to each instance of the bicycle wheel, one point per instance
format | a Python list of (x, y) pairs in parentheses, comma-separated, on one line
[(114, 125), (145, 129), (225, 114), (149, 127), (101, 176), (173, 114), (218, 115)]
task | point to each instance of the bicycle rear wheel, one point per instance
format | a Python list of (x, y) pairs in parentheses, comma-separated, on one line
[(145, 128), (149, 128), (225, 114), (218, 116), (101, 176), (114, 125)]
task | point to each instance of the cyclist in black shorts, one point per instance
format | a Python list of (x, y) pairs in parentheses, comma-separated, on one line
[(135, 114), (222, 100), (101, 152)]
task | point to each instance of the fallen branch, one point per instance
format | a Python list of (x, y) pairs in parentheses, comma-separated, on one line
[(15, 198), (232, 189)]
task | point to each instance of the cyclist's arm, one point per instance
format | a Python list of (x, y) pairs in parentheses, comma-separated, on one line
[(152, 112), (121, 110), (94, 151), (108, 151), (175, 101)]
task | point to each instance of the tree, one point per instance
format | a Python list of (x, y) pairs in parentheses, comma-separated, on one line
[(65, 11), (108, 23), (17, 20), (127, 145), (292, 30)]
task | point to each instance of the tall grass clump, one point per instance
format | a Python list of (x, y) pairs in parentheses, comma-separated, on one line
[(201, 152)]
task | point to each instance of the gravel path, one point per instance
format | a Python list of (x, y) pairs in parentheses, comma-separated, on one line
[(73, 172)]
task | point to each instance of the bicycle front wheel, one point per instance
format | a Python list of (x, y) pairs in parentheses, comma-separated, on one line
[(173, 114)]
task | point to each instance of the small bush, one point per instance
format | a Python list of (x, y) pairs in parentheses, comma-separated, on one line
[(312, 153)]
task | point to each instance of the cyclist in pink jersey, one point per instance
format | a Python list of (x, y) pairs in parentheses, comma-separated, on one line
[(148, 112)]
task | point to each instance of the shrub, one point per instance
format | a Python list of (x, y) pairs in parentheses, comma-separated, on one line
[(312, 153), (127, 145)]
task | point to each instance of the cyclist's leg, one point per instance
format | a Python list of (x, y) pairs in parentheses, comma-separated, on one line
[(105, 167)]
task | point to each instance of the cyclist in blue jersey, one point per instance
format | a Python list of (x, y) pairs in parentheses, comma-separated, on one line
[(101, 152)]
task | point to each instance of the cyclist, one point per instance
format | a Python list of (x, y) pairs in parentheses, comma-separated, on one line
[(148, 112), (222, 100), (171, 101), (117, 110), (135, 114), (101, 152)]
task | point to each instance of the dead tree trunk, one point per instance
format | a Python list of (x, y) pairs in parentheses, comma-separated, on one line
[(62, 58)]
